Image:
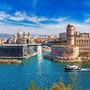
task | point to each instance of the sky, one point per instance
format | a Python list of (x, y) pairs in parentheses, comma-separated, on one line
[(47, 17)]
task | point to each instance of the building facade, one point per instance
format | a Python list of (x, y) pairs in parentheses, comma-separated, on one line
[(62, 36), (82, 41)]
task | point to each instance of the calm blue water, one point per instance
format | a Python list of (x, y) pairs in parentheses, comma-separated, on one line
[(44, 73)]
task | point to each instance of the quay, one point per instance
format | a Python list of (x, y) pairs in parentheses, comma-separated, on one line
[(16, 51), (67, 59), (63, 59)]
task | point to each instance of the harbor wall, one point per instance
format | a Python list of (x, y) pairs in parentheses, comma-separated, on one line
[(65, 51), (18, 50)]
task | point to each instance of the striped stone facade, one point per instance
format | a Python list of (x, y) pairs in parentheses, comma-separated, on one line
[(17, 50)]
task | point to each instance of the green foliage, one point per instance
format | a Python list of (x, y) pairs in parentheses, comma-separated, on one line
[(33, 87), (56, 86), (61, 43), (58, 42), (61, 86)]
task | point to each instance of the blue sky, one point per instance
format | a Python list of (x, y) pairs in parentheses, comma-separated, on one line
[(44, 16)]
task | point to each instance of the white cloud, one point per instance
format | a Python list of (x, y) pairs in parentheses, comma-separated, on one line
[(32, 18), (18, 16), (60, 19), (21, 16), (42, 19), (82, 28), (3, 15), (36, 19), (87, 20), (38, 28), (44, 29)]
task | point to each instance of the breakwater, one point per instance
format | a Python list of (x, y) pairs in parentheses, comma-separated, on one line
[(67, 59), (10, 61)]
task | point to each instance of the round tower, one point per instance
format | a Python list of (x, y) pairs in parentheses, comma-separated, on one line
[(70, 34), (29, 34), (24, 33)]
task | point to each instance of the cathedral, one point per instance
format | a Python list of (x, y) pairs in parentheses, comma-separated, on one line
[(22, 38)]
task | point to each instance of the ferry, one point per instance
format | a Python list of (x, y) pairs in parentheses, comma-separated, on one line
[(71, 68)]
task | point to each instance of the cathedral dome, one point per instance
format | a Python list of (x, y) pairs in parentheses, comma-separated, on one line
[(19, 33), (28, 33), (24, 33), (15, 35), (70, 25)]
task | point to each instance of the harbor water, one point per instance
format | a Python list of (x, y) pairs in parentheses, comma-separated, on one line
[(43, 72)]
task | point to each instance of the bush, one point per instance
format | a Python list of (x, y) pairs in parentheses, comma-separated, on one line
[(56, 86), (61, 86)]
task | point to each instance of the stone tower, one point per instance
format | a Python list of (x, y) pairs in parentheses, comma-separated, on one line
[(29, 38), (70, 34), (24, 38)]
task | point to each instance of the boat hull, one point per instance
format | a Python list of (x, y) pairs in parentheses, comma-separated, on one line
[(72, 68), (69, 69)]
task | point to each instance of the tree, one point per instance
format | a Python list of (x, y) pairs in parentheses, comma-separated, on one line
[(56, 86), (61, 86)]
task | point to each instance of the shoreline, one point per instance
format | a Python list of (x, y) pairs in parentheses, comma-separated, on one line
[(67, 59), (13, 61), (25, 57)]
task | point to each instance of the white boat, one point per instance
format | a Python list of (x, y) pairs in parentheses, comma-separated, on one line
[(71, 68)]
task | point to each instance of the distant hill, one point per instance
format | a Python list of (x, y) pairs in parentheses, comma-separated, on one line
[(6, 35), (11, 35)]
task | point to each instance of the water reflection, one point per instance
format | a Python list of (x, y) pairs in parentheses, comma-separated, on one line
[(73, 78), (39, 57), (39, 68)]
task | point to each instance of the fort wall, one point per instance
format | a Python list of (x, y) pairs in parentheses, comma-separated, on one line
[(65, 51), (17, 50)]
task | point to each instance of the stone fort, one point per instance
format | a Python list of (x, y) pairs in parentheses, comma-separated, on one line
[(70, 50)]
